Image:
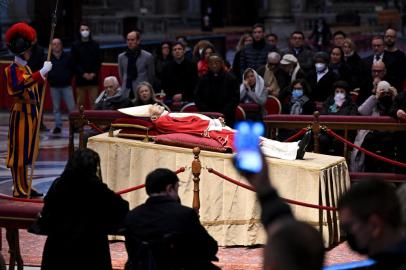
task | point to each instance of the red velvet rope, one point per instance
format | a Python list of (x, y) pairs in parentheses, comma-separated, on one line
[(10, 198), (297, 135), (94, 126), (213, 171), (384, 159)]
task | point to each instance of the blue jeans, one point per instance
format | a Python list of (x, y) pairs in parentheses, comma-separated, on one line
[(57, 94)]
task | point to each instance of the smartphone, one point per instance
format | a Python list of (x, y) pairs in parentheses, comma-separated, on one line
[(248, 158)]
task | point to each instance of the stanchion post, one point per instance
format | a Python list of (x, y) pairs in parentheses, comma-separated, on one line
[(316, 131), (82, 123), (196, 170)]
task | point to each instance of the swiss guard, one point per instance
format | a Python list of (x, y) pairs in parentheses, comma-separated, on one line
[(22, 86)]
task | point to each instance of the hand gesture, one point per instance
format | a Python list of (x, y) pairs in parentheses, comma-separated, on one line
[(401, 114)]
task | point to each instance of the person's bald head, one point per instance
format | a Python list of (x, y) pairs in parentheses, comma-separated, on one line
[(378, 70)]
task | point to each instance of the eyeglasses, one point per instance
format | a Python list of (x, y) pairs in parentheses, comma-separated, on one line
[(377, 70)]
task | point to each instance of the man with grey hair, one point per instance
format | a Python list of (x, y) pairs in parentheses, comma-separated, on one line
[(112, 97), (273, 75), (135, 65)]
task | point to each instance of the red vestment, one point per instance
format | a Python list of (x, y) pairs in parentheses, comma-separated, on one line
[(194, 125)]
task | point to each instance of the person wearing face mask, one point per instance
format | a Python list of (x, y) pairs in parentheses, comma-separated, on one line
[(295, 100), (253, 90), (339, 103), (378, 104), (321, 79), (370, 216), (87, 62)]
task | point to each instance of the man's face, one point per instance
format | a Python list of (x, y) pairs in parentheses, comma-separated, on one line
[(258, 34), (110, 87), (338, 40), (215, 64), (390, 37), (273, 64), (378, 70), (178, 52), (335, 56), (377, 46), (56, 45), (272, 40), (359, 233), (133, 40), (296, 40)]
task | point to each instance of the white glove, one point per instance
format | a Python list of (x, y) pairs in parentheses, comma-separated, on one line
[(45, 69)]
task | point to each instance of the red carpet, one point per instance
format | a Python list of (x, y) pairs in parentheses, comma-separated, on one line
[(237, 258)]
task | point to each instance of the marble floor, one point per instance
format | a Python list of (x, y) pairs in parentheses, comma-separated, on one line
[(52, 158)]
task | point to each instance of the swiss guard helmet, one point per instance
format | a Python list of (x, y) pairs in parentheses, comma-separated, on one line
[(20, 37)]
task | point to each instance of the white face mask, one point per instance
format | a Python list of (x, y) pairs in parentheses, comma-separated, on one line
[(320, 67), (339, 99), (85, 33)]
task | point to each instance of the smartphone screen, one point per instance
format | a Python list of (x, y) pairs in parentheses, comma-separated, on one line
[(246, 142)]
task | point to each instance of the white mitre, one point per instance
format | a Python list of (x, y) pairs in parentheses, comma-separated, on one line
[(140, 111)]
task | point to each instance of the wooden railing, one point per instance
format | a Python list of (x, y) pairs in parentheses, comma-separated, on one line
[(316, 122)]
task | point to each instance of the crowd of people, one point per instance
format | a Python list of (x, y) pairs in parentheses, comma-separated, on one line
[(161, 233), (323, 72)]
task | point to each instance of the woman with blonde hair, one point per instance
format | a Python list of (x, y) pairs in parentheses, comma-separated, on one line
[(244, 41)]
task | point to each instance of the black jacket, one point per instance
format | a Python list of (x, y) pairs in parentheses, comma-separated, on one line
[(218, 93), (255, 55), (399, 103), (62, 71), (86, 58), (179, 78), (322, 89), (78, 214), (172, 232)]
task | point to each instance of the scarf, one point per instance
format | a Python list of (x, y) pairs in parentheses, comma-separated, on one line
[(132, 71), (270, 80), (297, 107)]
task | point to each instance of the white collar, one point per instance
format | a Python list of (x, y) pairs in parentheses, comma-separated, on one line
[(20, 61)]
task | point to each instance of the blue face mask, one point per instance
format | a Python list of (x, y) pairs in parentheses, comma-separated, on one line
[(297, 93)]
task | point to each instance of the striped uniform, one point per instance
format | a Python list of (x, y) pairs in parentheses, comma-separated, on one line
[(22, 86)]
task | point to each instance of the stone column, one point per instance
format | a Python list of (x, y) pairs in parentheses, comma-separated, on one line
[(279, 19), (169, 7)]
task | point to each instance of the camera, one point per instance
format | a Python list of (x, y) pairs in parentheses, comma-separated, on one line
[(248, 158)]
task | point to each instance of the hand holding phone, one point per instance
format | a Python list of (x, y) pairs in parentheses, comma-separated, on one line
[(248, 158)]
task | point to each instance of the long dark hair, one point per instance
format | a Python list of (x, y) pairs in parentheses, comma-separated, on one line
[(84, 164)]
